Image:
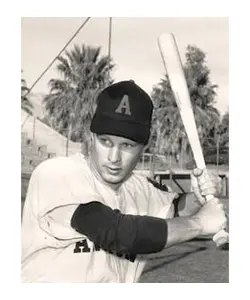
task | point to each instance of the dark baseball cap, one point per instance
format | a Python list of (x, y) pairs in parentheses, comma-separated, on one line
[(123, 109)]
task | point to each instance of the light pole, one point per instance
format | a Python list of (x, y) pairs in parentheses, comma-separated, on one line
[(218, 152), (69, 133)]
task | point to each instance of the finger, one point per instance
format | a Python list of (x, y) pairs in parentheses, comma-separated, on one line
[(216, 180), (214, 201), (208, 191), (208, 188), (197, 182), (201, 200), (215, 177), (211, 185), (196, 190), (194, 182), (210, 175), (204, 178), (206, 185)]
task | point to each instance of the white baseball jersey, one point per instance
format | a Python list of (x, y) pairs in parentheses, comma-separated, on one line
[(52, 251)]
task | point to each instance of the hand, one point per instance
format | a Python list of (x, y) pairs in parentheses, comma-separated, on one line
[(205, 183), (211, 217)]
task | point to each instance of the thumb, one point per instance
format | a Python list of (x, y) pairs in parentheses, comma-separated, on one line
[(195, 186), (197, 172)]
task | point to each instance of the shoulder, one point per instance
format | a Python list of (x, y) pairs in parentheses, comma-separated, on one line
[(53, 164), (145, 181), (158, 185), (160, 189), (60, 165)]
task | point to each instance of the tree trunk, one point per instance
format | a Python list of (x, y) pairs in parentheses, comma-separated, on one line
[(86, 143)]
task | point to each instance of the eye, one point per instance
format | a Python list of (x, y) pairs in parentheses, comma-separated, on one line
[(127, 145), (105, 141)]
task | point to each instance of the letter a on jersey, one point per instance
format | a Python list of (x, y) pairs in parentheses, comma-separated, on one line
[(124, 107)]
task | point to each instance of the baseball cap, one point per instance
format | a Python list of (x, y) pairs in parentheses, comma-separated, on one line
[(123, 109)]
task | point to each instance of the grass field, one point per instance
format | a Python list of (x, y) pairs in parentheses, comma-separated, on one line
[(196, 261)]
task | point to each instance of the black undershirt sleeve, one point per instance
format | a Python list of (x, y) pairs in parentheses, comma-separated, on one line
[(176, 203), (115, 232)]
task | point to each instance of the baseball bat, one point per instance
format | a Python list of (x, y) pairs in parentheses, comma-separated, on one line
[(173, 66)]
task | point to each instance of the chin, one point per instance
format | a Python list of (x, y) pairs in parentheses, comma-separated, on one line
[(114, 179)]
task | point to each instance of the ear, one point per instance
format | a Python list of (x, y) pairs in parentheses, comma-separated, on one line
[(87, 144)]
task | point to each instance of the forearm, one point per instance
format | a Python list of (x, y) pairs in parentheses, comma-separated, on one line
[(181, 229)]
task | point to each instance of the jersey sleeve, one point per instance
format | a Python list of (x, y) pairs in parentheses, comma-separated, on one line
[(161, 200), (56, 190)]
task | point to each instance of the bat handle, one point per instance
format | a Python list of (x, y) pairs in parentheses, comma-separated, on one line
[(221, 237)]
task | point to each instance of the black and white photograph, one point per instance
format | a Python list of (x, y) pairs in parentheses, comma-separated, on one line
[(124, 150)]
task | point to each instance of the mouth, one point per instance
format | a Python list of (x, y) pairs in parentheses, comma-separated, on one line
[(113, 170)]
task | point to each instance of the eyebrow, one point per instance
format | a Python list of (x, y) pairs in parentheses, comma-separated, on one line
[(102, 136), (132, 143)]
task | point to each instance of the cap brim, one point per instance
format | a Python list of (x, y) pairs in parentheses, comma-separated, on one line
[(105, 125)]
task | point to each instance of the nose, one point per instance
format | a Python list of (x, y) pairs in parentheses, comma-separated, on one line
[(114, 155)]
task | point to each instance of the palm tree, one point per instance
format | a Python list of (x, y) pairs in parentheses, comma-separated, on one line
[(71, 102), (165, 119), (169, 136), (25, 103), (202, 92)]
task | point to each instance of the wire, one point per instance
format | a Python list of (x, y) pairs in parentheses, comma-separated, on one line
[(69, 41), (109, 46), (110, 35)]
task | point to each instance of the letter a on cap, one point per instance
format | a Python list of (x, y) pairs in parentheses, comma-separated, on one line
[(124, 106)]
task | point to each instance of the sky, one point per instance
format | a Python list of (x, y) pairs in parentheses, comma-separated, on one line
[(134, 47)]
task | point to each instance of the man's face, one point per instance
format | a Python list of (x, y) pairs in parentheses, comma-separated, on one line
[(114, 158)]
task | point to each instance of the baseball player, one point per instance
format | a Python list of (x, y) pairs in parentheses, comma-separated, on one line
[(93, 219)]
